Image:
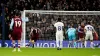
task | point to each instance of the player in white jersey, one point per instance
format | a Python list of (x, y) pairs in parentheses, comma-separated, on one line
[(59, 33), (89, 30)]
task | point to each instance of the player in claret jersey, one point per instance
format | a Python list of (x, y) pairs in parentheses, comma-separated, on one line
[(16, 27), (34, 35), (81, 34)]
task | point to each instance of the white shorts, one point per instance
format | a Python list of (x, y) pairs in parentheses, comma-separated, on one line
[(59, 36), (89, 36)]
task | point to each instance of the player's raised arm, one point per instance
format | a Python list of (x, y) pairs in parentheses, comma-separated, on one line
[(31, 32), (11, 24)]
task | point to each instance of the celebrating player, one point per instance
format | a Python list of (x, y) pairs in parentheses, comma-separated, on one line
[(59, 33), (16, 27), (81, 33), (34, 35), (89, 30), (72, 36)]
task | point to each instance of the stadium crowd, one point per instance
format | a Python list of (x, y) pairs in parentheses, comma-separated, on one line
[(48, 20)]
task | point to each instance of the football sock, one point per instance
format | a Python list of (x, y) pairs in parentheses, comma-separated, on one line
[(91, 44), (33, 46), (85, 43), (70, 43), (57, 43), (75, 44), (60, 44), (18, 45), (13, 45)]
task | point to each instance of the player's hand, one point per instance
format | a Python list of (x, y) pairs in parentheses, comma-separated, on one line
[(10, 36)]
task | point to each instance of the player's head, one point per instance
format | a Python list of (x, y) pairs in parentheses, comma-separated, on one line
[(71, 25), (88, 22), (59, 19), (16, 14), (82, 24)]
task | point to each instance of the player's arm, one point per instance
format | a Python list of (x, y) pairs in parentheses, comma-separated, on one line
[(79, 29), (40, 32), (31, 32), (55, 27), (94, 31), (25, 19), (85, 29), (11, 24), (67, 31), (63, 28)]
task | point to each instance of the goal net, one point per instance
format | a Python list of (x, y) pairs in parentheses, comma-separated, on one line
[(44, 20)]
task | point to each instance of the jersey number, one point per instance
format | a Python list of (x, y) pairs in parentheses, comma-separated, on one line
[(18, 23), (59, 28), (89, 28)]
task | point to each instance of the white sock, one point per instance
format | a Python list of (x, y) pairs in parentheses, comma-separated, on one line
[(57, 43), (85, 43), (70, 42), (61, 42), (91, 44)]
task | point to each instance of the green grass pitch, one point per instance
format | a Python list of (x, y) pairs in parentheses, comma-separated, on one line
[(50, 52)]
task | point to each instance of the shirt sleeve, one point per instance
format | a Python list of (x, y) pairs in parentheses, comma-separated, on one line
[(67, 31), (75, 30), (11, 25), (25, 19), (62, 24), (55, 25), (79, 29), (93, 28)]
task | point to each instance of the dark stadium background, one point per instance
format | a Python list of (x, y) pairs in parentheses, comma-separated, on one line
[(10, 6)]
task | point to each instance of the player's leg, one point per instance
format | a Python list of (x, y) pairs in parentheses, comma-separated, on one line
[(91, 39), (28, 45), (86, 38), (61, 41), (19, 41), (13, 41), (81, 39), (70, 40), (74, 41), (57, 41), (33, 42)]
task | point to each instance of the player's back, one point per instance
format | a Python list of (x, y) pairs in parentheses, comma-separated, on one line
[(89, 29), (35, 32), (59, 26), (17, 24), (71, 31)]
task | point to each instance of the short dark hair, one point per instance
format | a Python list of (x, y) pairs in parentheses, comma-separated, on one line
[(71, 25), (17, 14), (88, 22), (59, 19)]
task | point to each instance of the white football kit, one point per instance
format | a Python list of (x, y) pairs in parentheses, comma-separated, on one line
[(59, 33), (89, 32)]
